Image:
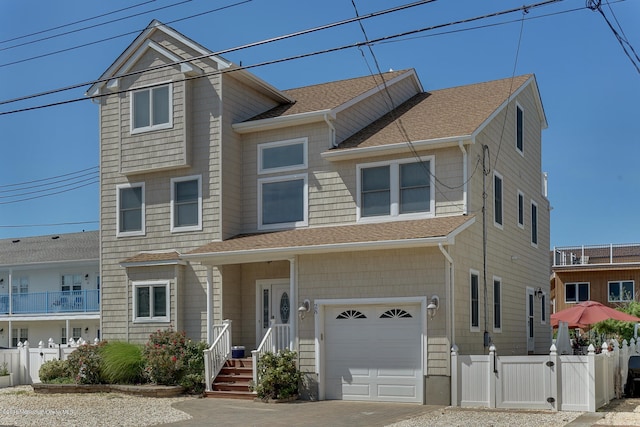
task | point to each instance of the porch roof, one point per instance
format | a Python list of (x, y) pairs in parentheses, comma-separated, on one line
[(288, 243), (145, 259)]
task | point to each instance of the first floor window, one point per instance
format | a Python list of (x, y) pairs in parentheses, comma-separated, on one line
[(19, 335), (186, 204), (283, 201), (543, 308), (151, 301), (497, 304), (76, 335), (475, 315), (621, 291), (130, 201), (576, 292)]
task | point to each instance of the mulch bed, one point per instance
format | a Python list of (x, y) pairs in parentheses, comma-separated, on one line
[(135, 390)]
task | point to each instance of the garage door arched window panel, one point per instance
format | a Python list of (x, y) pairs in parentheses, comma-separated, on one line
[(396, 313), (351, 314)]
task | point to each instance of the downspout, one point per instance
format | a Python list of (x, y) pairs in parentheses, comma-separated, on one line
[(451, 299), (332, 130), (465, 172)]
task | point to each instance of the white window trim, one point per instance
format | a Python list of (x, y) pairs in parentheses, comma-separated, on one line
[(471, 327), (394, 181), (266, 145), (305, 202), (151, 319), (497, 224), (515, 125), (497, 279), (619, 282), (198, 226), (537, 223), (140, 232), (577, 292), (150, 128), (519, 196)]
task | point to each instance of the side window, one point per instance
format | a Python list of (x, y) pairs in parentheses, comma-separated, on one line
[(534, 223), (131, 209), (497, 199), (281, 156), (576, 292), (474, 297), (497, 304), (519, 129), (151, 109), (520, 209), (186, 204)]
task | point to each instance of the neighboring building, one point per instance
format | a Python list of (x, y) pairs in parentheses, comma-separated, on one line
[(49, 289), (223, 197), (609, 274)]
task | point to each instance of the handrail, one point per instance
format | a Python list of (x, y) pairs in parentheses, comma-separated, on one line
[(219, 352), (275, 339)]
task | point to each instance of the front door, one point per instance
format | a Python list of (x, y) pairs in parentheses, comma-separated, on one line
[(274, 304), (530, 324)]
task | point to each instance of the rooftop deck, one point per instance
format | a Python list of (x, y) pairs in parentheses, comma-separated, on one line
[(596, 255)]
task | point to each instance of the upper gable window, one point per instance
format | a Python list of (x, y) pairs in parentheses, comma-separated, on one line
[(186, 204), (497, 199), (151, 109), (393, 189), (130, 207), (519, 129), (282, 156)]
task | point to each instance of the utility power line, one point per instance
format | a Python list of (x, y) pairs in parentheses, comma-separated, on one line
[(275, 61)]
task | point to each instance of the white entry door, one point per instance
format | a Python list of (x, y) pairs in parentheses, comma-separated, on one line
[(530, 324), (274, 303)]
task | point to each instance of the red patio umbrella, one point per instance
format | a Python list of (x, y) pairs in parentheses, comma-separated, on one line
[(589, 312)]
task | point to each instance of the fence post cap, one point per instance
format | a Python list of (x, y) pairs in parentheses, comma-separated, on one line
[(492, 348)]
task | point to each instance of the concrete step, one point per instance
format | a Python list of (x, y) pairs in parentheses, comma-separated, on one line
[(230, 395)]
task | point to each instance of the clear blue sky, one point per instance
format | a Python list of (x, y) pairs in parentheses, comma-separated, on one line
[(589, 88)]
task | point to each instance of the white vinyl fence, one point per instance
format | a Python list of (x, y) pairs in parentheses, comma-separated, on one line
[(553, 382), (24, 362)]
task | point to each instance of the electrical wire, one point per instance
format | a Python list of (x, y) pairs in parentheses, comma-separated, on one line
[(52, 180), (69, 25), (50, 225), (224, 51), (271, 62), (50, 194)]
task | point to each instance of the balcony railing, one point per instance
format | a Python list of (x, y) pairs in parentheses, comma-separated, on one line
[(596, 254), (51, 302)]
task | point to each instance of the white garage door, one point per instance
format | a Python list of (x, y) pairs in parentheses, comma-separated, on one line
[(373, 352)]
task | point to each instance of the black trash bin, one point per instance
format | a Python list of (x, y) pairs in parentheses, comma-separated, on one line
[(632, 389)]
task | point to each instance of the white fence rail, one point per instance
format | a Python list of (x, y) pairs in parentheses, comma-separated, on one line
[(275, 339), (219, 352), (553, 382)]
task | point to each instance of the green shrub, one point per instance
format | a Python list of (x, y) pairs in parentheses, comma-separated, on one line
[(164, 356), (85, 363), (122, 363), (279, 377), (192, 379), (55, 372)]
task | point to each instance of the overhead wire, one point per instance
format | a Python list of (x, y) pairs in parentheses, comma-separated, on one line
[(264, 63), (50, 225), (70, 24)]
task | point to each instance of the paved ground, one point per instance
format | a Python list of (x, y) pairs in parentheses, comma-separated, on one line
[(227, 412)]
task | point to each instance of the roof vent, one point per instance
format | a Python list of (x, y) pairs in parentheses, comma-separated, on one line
[(15, 241), (55, 237)]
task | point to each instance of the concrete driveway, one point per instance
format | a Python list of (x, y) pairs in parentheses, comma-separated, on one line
[(229, 412)]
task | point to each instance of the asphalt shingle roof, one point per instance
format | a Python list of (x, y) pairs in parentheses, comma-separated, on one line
[(84, 246)]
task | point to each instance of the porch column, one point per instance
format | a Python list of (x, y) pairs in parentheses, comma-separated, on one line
[(10, 289), (209, 304), (67, 330), (293, 316)]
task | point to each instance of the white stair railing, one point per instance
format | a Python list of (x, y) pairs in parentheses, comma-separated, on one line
[(275, 339), (219, 352)]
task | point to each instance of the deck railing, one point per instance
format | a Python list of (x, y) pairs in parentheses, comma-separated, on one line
[(82, 301), (276, 339), (596, 254)]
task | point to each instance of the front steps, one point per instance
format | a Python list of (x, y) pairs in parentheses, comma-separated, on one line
[(233, 380)]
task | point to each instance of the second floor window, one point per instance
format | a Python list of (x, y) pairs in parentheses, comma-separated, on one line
[(497, 199), (130, 203), (534, 223), (151, 109), (282, 201), (282, 156), (475, 301), (71, 282), (20, 285), (186, 204), (576, 292), (395, 189), (621, 291)]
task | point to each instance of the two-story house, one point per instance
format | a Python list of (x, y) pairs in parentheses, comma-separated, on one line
[(380, 223), (49, 289), (609, 274)]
